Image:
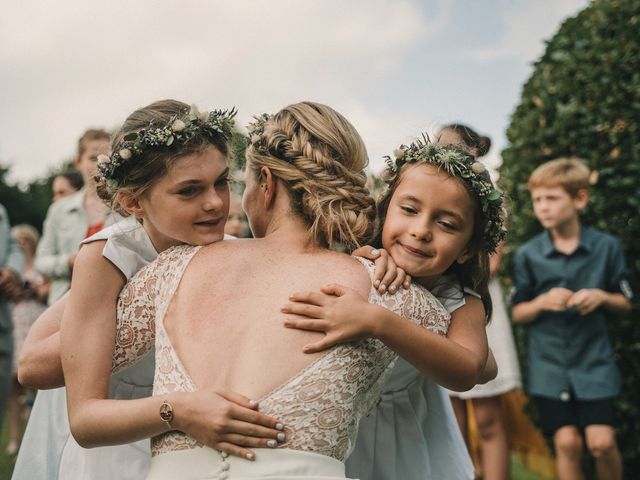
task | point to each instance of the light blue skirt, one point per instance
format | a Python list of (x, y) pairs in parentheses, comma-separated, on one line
[(412, 434)]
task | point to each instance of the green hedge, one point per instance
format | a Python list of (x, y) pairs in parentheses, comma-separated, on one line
[(583, 99)]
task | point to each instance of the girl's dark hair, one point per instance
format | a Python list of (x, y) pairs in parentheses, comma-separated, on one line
[(74, 178), (146, 168), (475, 144), (474, 273)]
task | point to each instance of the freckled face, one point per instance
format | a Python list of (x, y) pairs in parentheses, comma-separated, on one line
[(429, 223), (190, 203)]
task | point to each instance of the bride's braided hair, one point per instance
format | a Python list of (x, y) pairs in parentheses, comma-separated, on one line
[(320, 158)]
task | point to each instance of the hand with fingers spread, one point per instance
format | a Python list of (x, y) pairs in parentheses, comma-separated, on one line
[(337, 311), (587, 300), (226, 421), (388, 276)]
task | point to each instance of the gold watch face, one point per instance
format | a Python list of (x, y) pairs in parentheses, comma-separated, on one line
[(166, 412)]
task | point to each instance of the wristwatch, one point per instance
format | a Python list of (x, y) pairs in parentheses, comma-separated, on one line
[(166, 413)]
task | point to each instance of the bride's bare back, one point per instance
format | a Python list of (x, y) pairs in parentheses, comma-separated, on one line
[(225, 322)]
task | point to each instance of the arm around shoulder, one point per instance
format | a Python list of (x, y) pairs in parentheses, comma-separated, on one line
[(39, 365), (456, 361)]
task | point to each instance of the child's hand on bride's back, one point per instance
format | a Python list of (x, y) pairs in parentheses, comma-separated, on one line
[(337, 311)]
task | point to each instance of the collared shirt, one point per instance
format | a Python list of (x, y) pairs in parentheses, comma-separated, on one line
[(570, 353), (64, 228)]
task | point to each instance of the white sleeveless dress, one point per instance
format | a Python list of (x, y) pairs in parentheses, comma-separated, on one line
[(48, 450), (412, 434), (500, 338), (321, 406)]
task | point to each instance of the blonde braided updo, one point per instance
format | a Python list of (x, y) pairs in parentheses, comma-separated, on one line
[(320, 158)]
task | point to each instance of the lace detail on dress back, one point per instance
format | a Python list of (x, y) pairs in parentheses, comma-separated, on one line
[(321, 405)]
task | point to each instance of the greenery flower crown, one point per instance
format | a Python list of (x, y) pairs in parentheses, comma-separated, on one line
[(178, 130), (458, 164), (256, 131)]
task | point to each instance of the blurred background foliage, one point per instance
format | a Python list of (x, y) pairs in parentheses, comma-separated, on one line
[(583, 99)]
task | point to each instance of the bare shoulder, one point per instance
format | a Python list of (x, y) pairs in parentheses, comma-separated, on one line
[(349, 271)]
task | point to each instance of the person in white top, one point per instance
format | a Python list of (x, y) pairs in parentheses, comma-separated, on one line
[(114, 255), (305, 191)]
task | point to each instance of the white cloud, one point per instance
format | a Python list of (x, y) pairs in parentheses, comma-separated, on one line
[(526, 26), (76, 64)]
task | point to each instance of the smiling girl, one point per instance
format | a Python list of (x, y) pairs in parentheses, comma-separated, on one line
[(168, 172), (440, 219)]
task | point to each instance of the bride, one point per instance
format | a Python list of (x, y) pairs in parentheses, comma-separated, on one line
[(217, 318)]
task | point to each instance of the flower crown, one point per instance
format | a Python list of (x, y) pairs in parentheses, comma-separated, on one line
[(256, 130), (178, 130), (458, 164)]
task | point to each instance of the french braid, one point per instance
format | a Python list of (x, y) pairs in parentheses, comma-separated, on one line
[(320, 158)]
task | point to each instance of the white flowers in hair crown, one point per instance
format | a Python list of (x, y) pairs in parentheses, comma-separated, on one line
[(179, 130), (456, 163)]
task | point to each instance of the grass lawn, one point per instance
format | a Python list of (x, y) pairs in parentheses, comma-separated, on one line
[(6, 463)]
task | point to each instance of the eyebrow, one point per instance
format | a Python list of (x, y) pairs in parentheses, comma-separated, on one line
[(411, 198), (193, 181)]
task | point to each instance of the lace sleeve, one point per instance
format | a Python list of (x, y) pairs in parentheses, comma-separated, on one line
[(144, 298), (135, 319), (416, 304)]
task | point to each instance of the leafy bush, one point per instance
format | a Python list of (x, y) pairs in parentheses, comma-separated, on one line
[(583, 99)]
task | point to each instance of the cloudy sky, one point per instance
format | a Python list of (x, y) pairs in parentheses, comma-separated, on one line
[(392, 67)]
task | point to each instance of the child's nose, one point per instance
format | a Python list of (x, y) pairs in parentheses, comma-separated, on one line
[(421, 231), (213, 201)]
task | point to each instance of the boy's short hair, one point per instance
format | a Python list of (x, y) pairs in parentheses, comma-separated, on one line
[(569, 173), (91, 135)]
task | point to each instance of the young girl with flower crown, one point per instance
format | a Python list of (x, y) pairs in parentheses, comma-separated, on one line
[(168, 173), (440, 217)]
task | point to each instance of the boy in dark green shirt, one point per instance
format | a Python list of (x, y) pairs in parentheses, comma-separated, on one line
[(566, 280)]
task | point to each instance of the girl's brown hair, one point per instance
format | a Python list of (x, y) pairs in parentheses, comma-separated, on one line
[(474, 273), (146, 168)]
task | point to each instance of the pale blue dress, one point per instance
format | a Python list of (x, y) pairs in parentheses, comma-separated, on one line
[(48, 451), (412, 434)]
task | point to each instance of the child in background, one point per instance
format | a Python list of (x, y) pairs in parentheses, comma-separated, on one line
[(66, 183), (441, 218), (26, 309), (567, 281), (236, 225), (487, 398)]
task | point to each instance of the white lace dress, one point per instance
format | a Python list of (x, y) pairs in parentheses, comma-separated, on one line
[(321, 405), (412, 434)]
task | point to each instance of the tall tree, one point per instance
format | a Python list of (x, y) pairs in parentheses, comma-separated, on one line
[(583, 99)]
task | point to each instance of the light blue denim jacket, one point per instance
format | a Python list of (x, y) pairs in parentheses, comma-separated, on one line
[(64, 228)]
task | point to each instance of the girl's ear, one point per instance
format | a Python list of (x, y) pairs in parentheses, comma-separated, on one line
[(130, 203)]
